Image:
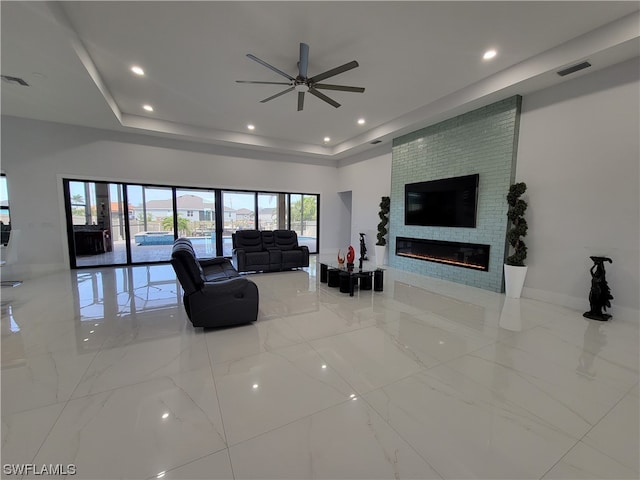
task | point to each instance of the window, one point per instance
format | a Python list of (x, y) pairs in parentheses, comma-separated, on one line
[(122, 223), (5, 216)]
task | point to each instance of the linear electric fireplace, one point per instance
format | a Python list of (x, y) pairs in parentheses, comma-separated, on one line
[(466, 255)]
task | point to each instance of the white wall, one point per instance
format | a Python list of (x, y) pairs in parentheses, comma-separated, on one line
[(578, 153), (368, 181), (343, 219), (36, 155)]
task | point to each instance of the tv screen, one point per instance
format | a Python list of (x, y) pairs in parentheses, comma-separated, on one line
[(450, 202)]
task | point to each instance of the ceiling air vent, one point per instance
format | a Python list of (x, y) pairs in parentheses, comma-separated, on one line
[(14, 80), (574, 68), (375, 142)]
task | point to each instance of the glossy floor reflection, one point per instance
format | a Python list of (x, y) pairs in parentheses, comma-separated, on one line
[(428, 379)]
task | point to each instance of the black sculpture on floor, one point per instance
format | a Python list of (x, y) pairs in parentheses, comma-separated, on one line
[(363, 247), (600, 295)]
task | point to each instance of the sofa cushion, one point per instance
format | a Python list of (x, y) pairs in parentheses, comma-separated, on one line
[(285, 239), (248, 240)]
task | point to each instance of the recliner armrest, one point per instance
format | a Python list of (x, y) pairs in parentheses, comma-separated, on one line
[(233, 286), (206, 262)]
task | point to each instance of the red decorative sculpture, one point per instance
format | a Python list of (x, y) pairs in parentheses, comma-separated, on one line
[(340, 259), (351, 255)]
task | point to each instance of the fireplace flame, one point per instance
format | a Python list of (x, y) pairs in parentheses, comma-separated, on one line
[(442, 260)]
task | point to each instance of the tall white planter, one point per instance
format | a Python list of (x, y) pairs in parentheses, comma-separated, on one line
[(514, 280), (381, 251)]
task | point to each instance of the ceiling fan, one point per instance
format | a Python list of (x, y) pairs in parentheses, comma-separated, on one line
[(303, 84)]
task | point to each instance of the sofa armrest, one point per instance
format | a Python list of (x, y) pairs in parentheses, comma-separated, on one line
[(305, 254), (239, 259)]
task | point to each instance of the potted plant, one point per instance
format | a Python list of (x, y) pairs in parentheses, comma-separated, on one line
[(381, 243), (515, 270)]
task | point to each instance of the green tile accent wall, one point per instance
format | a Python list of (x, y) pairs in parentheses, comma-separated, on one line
[(482, 141)]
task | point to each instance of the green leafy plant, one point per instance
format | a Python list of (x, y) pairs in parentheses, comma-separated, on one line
[(519, 226), (385, 203), (183, 225)]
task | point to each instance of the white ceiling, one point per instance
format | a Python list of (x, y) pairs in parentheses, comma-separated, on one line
[(420, 62)]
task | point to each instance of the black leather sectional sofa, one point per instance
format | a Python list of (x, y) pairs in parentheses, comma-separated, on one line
[(268, 251), (215, 294)]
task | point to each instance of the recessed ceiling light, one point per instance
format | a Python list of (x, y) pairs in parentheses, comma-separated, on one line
[(489, 54), (327, 139), (251, 127), (148, 108), (361, 121), (137, 70)]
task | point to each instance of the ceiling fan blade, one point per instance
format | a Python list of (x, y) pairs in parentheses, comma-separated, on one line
[(277, 95), (300, 101), (341, 88), (263, 83), (334, 71), (270, 67), (322, 96), (303, 64)]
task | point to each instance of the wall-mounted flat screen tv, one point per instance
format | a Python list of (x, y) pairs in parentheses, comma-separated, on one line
[(449, 202)]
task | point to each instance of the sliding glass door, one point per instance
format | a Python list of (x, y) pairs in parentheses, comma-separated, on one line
[(304, 219), (152, 228), (196, 214), (239, 214), (95, 225)]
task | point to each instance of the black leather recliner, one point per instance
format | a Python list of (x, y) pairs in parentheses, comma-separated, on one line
[(215, 294)]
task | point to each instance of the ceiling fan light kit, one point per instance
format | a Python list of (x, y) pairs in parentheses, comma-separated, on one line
[(303, 84)]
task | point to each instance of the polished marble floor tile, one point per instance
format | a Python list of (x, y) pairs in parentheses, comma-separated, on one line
[(43, 380), (216, 466), (266, 334), (586, 463), (370, 358), (23, 433), (330, 319), (139, 430), (349, 440), (616, 435), (583, 357), (537, 382), (466, 430), (264, 391), (429, 379), (134, 363)]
